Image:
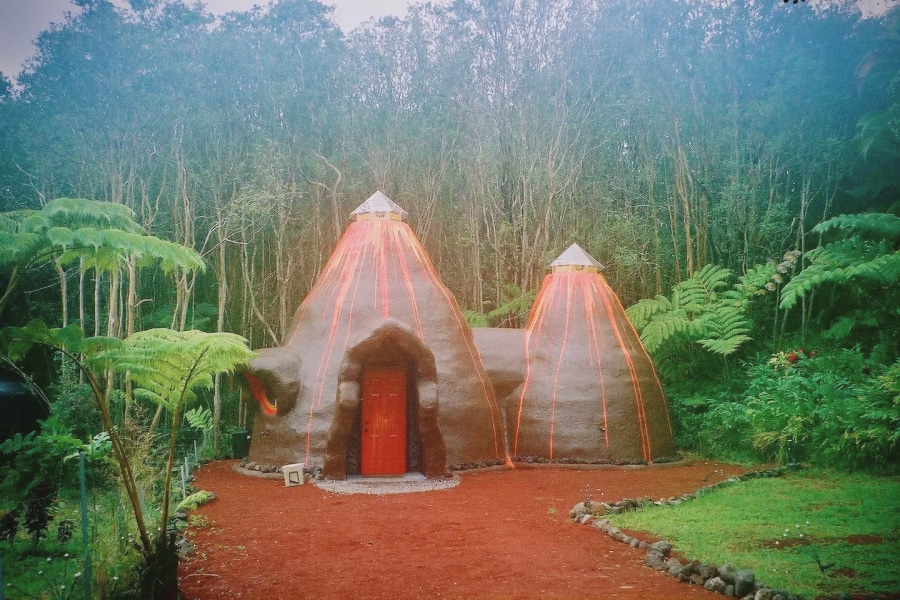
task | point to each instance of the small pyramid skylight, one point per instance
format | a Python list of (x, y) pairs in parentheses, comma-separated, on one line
[(379, 206), (575, 259)]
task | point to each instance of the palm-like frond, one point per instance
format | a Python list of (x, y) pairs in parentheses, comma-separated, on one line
[(867, 256), (703, 309), (879, 226), (75, 213), (19, 248), (641, 313), (170, 367), (662, 327)]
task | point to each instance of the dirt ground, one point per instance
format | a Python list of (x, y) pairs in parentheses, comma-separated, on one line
[(498, 534)]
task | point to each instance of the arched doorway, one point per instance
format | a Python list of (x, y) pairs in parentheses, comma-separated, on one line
[(386, 414)]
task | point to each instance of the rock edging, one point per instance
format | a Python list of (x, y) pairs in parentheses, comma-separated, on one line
[(724, 579)]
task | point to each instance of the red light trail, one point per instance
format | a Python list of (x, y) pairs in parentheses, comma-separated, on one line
[(582, 303), (387, 252)]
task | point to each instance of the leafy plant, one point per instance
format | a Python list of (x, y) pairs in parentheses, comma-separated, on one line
[(169, 368), (827, 410), (195, 500), (476, 319), (64, 530), (703, 310), (513, 307), (39, 508), (861, 263), (865, 254), (9, 525), (200, 418), (39, 458)]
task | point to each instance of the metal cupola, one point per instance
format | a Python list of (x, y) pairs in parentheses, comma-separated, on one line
[(378, 206), (575, 259)]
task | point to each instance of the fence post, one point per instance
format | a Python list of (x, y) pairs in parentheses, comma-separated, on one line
[(85, 542)]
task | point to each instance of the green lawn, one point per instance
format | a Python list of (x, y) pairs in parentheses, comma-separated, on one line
[(785, 528)]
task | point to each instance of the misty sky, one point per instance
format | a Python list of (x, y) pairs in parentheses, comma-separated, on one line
[(22, 20)]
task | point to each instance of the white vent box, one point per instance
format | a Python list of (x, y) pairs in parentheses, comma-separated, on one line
[(293, 474)]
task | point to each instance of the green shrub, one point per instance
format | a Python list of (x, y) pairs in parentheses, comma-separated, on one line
[(37, 459), (838, 409), (829, 410)]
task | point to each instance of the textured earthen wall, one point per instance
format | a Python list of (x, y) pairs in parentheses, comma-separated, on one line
[(379, 273), (589, 390)]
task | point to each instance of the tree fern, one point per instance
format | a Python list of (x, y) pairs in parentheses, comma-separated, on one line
[(663, 327), (704, 309), (96, 235), (873, 225), (726, 326), (171, 367), (79, 212), (869, 256), (641, 313)]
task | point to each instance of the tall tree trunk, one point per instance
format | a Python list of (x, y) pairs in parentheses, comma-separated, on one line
[(64, 293), (221, 238)]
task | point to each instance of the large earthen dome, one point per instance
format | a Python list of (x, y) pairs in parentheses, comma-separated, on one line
[(378, 331), (381, 374)]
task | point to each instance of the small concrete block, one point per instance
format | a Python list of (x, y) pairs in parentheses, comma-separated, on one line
[(293, 474)]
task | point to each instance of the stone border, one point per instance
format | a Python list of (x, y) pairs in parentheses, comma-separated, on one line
[(724, 579), (248, 467)]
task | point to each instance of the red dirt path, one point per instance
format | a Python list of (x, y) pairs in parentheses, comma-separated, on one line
[(498, 534)]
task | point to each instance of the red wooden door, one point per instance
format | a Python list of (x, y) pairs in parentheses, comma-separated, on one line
[(383, 450)]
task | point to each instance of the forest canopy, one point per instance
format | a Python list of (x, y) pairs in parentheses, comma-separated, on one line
[(662, 136)]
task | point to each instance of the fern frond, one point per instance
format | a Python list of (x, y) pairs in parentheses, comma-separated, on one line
[(19, 248), (689, 296), (703, 309), (200, 418), (641, 313), (169, 367), (879, 226), (713, 278), (75, 213), (731, 321), (662, 327), (724, 346), (844, 262)]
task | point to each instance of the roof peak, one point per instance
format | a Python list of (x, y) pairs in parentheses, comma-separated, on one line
[(575, 258), (379, 206)]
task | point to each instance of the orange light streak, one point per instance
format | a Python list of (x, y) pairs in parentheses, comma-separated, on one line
[(606, 294), (590, 312), (597, 302), (640, 346), (407, 282), (464, 330), (258, 389), (535, 320), (348, 255), (559, 362), (387, 250)]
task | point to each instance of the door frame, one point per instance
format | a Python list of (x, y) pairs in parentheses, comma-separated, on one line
[(398, 337)]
